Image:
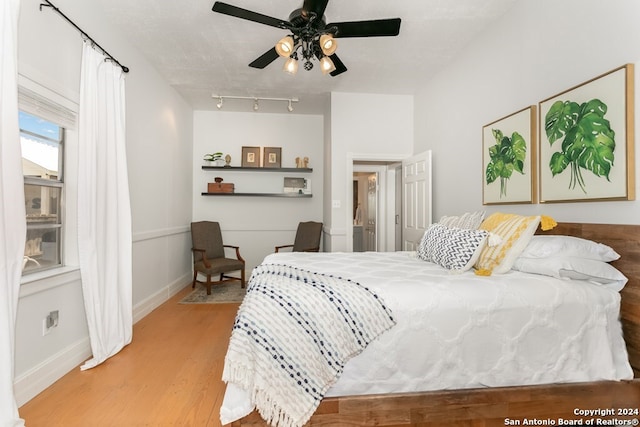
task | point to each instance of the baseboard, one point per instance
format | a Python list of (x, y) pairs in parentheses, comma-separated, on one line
[(154, 301), (37, 379)]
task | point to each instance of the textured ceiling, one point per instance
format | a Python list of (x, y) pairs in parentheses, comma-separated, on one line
[(201, 52)]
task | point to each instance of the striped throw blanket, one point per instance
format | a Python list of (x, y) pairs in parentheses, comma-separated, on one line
[(292, 336)]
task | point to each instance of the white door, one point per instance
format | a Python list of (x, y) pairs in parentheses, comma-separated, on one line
[(416, 183)]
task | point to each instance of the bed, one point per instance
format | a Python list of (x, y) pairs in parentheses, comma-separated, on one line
[(467, 398)]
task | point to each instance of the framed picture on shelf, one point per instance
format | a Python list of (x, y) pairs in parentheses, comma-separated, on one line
[(250, 157), (272, 157), (509, 159), (586, 141)]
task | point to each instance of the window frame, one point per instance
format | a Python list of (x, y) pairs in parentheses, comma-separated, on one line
[(59, 183), (58, 106)]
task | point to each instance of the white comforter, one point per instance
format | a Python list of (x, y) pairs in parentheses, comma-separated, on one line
[(465, 331)]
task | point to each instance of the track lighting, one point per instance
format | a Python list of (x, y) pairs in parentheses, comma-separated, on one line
[(256, 101)]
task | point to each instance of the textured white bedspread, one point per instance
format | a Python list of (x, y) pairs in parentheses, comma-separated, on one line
[(458, 331)]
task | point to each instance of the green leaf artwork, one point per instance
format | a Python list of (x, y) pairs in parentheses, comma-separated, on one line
[(506, 156), (587, 140)]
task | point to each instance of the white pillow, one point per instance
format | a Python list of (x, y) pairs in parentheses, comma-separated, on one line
[(550, 246), (469, 220), (598, 272), (455, 249)]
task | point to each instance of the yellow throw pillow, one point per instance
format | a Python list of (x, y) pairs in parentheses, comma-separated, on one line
[(516, 232)]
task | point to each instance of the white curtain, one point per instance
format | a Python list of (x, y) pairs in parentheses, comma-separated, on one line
[(13, 227), (104, 211)]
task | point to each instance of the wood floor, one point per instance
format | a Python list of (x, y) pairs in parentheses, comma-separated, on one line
[(168, 376)]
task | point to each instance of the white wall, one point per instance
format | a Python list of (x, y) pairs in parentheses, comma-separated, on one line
[(257, 224), (159, 147), (363, 127), (539, 48)]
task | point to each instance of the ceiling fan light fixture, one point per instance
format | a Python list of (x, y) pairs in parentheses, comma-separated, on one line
[(328, 44), (285, 46), (291, 66), (326, 65)]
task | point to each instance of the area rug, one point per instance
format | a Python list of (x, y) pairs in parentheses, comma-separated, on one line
[(220, 294)]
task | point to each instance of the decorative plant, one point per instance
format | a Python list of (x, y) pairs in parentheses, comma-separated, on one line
[(507, 156), (212, 157), (589, 141)]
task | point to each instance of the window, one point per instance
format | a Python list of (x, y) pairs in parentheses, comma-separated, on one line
[(42, 160)]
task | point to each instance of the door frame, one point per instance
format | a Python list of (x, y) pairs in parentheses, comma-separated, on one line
[(364, 157)]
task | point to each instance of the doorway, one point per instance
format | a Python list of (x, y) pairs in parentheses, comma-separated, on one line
[(403, 202), (374, 206), (365, 212)]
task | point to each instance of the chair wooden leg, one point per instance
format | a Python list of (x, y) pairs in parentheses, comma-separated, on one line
[(195, 276), (242, 279), (208, 284)]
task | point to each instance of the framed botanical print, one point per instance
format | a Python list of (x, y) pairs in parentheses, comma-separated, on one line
[(250, 157), (272, 157), (509, 159), (586, 141)]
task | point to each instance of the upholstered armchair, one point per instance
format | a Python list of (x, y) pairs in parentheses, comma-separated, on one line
[(209, 257), (307, 238)]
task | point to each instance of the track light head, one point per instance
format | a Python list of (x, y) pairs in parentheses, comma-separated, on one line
[(290, 107), (220, 102), (255, 104)]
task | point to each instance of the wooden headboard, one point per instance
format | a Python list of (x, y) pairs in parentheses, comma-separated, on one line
[(624, 239)]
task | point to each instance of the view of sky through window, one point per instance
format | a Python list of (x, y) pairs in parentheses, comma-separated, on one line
[(40, 141)]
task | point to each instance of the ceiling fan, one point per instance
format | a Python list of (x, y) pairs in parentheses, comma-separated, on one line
[(310, 35)]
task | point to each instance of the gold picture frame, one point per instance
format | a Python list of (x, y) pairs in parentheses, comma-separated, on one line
[(272, 157), (509, 159), (250, 157), (587, 141)]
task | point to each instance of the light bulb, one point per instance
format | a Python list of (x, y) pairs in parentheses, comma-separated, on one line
[(327, 65), (285, 46), (291, 66), (328, 44)]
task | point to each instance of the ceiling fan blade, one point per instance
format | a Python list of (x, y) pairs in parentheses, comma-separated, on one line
[(340, 67), (265, 59), (238, 12), (315, 6), (374, 28)]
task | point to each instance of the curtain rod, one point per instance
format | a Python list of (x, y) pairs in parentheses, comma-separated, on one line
[(84, 34)]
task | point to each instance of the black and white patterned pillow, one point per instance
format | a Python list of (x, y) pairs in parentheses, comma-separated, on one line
[(453, 248)]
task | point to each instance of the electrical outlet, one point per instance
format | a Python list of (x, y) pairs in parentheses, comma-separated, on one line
[(50, 322)]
